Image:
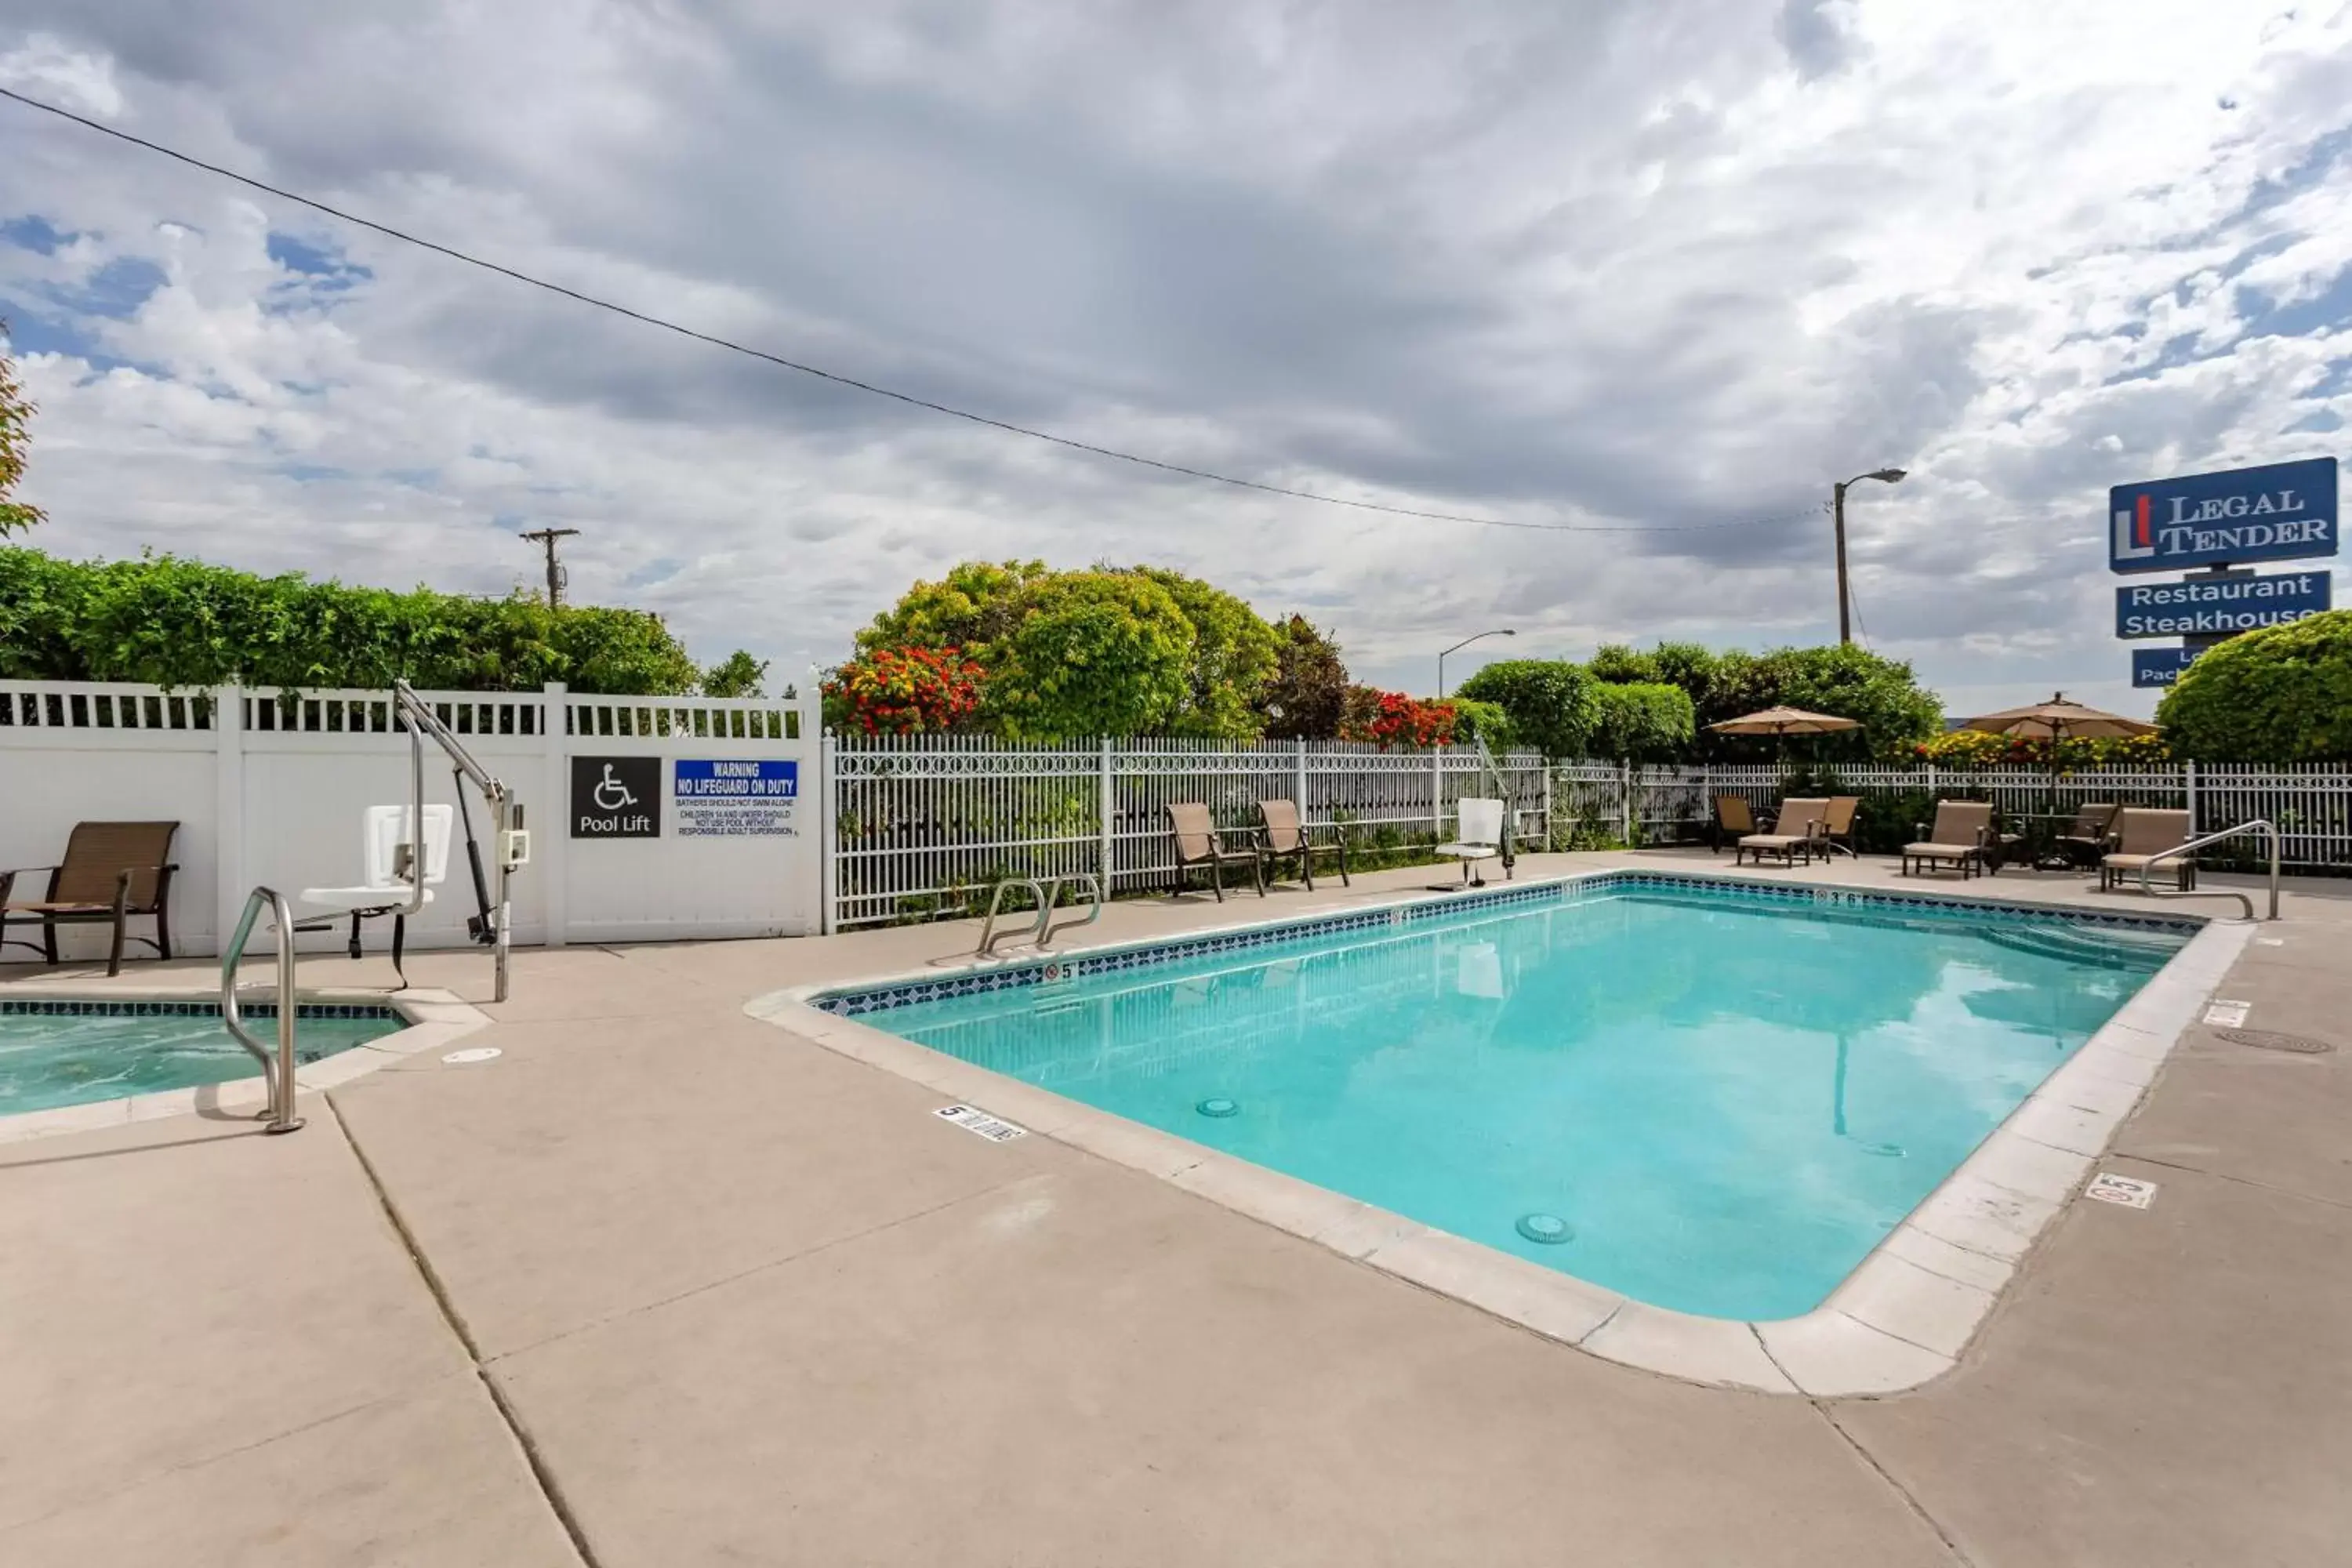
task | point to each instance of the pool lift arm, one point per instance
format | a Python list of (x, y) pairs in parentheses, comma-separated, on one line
[(494, 923), (1510, 804)]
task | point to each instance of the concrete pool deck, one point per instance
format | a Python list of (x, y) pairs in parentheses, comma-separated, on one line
[(686, 1289)]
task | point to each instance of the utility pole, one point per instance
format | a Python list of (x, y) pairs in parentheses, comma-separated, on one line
[(1837, 508), (556, 574), (1837, 505)]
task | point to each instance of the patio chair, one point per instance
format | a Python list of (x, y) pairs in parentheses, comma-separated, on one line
[(1961, 838), (1797, 830), (2084, 842), (1198, 843), (1735, 819), (1837, 825), (111, 871), (1477, 836), (1281, 833), (2140, 837)]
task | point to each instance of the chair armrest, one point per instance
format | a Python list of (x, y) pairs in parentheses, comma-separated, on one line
[(20, 870)]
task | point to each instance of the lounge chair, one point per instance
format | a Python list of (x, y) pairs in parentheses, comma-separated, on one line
[(1962, 838), (1477, 836), (1735, 819), (2140, 836), (111, 871), (1281, 833), (1198, 843), (1837, 825), (1797, 830), (2085, 841)]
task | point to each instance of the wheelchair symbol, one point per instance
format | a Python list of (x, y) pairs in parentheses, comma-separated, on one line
[(611, 794)]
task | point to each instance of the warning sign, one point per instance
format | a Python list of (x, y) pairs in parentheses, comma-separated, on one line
[(735, 797)]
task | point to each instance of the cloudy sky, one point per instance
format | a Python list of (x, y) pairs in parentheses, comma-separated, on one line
[(1643, 264)]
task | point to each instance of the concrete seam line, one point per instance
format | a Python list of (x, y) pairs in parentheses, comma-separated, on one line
[(541, 1474), (2226, 1176), (1884, 1473)]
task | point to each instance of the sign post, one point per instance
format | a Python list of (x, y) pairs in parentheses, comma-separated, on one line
[(2279, 512)]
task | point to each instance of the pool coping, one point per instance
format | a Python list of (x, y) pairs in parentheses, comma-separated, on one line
[(1906, 1314), (435, 1018)]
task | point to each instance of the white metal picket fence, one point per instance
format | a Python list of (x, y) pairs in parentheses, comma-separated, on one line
[(927, 824), (2312, 805)]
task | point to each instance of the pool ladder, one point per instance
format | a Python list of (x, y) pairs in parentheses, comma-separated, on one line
[(2268, 829), (279, 1071), (1046, 891)]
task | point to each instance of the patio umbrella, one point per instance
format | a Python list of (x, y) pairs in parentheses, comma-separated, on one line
[(2058, 720), (1783, 722)]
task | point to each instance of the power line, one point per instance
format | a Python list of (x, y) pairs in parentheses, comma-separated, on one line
[(839, 380)]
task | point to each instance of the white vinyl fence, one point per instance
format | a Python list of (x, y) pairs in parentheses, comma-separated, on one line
[(269, 787), (2312, 805), (928, 824)]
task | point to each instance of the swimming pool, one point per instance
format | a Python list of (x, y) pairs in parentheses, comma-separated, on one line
[(1712, 1098), (60, 1053)]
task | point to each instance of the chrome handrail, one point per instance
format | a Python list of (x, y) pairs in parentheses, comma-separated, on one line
[(1046, 929), (2194, 844), (280, 1075), (989, 935)]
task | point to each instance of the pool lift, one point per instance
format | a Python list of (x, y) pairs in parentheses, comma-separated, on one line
[(405, 851)]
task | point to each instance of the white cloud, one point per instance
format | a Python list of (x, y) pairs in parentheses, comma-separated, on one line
[(1651, 263)]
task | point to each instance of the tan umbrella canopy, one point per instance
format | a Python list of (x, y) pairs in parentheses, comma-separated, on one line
[(2059, 719), (1784, 721)]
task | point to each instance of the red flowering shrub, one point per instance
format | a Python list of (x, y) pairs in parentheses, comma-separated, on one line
[(904, 691), (1393, 718)]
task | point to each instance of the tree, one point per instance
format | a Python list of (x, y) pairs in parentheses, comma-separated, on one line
[(970, 607), (1476, 721), (1614, 664), (1090, 653), (2282, 695), (1550, 702), (736, 675), (1894, 712), (1234, 654), (1641, 722), (1395, 718), (1308, 695), (16, 419)]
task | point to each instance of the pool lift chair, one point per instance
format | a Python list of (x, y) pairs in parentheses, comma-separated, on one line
[(406, 853)]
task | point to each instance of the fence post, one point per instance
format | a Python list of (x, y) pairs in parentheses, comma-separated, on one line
[(228, 812), (551, 841), (828, 835), (1931, 781), (2188, 787), (1626, 798), (1299, 780), (1106, 798), (1545, 763), (1437, 794)]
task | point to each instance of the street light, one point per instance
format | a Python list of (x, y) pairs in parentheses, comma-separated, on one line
[(1845, 604), (1457, 647)]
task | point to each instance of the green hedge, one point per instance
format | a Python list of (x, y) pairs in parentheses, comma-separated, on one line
[(1643, 722), (2281, 695), (177, 623)]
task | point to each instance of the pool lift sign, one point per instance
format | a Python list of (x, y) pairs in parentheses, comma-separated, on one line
[(2216, 522)]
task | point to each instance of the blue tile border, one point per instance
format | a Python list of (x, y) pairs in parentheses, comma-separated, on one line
[(853, 1002), (81, 1007)]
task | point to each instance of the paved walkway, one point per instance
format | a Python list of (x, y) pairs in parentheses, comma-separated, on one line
[(685, 1289)]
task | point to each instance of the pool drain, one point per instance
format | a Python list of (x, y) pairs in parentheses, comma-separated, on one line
[(1548, 1229), (1219, 1107), (2270, 1040)]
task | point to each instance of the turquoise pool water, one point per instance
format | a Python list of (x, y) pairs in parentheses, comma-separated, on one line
[(1704, 1100), (51, 1058)]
